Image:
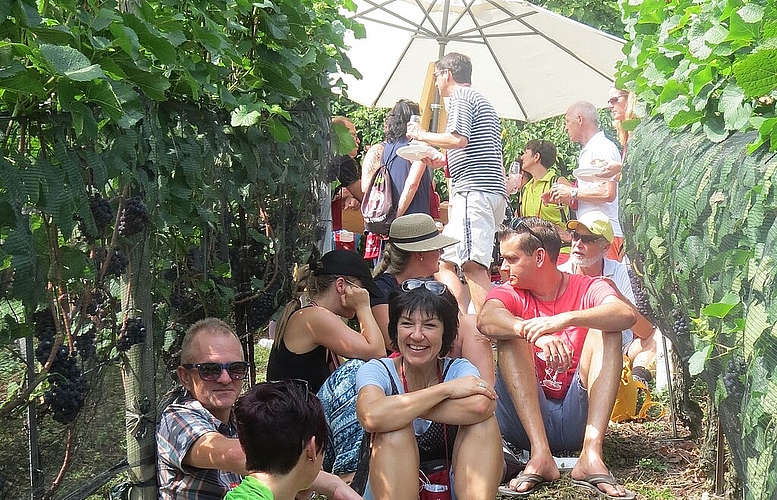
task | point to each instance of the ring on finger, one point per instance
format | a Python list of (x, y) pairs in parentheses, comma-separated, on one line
[(482, 384)]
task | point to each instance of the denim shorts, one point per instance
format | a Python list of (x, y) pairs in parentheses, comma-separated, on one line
[(338, 397), (564, 419)]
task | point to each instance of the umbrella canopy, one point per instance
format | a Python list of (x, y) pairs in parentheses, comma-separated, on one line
[(531, 63)]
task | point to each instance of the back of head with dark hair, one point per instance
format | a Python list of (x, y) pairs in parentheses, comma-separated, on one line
[(459, 65), (546, 150), (396, 121), (275, 421), (551, 241), (444, 307)]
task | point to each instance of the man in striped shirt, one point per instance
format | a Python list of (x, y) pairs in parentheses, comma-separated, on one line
[(478, 197)]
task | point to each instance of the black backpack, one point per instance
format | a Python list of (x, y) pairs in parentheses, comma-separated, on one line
[(378, 209)]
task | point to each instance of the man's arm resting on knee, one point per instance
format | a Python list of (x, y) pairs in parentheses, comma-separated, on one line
[(612, 315), (497, 323), (216, 451)]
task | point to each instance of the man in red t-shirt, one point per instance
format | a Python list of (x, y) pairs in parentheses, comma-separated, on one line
[(559, 345)]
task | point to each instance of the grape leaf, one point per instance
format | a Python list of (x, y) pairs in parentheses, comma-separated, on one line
[(757, 73)]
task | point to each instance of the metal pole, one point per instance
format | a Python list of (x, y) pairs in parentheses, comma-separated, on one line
[(442, 41), (36, 475)]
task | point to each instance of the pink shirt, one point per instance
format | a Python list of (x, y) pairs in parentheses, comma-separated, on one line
[(582, 292)]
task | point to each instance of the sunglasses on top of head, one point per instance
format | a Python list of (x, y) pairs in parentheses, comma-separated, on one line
[(435, 287), (237, 370), (298, 383), (519, 225)]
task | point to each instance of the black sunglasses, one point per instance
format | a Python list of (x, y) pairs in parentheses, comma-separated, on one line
[(300, 384), (435, 287), (519, 224), (237, 370), (585, 238)]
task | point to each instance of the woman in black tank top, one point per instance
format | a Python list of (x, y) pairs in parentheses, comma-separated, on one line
[(311, 336)]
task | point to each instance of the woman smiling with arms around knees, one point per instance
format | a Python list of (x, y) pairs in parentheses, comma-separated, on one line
[(421, 406)]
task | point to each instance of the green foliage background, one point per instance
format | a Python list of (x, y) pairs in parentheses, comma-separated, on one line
[(702, 222), (191, 106), (708, 66)]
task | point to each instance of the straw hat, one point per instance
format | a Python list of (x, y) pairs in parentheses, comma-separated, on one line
[(418, 233)]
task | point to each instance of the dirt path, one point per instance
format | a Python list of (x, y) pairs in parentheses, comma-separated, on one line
[(648, 460)]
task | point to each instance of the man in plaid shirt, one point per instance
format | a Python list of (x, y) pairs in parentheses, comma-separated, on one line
[(198, 454)]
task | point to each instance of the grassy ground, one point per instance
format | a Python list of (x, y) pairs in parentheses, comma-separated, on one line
[(645, 457)]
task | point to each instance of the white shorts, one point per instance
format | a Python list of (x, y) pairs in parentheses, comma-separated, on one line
[(473, 217)]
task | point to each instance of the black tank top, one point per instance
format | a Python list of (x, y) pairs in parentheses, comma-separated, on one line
[(312, 366)]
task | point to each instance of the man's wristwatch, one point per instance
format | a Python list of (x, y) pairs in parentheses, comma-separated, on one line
[(573, 194)]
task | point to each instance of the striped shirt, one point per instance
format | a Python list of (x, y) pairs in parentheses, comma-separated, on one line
[(183, 422), (478, 166)]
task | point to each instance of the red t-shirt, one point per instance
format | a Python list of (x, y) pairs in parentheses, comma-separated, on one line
[(582, 292)]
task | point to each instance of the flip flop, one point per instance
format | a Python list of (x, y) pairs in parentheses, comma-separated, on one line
[(525, 477), (593, 481)]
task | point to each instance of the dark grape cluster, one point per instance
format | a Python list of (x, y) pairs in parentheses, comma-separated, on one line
[(67, 385), (261, 309), (680, 327), (45, 329), (134, 332), (641, 300), (733, 379), (101, 212), (65, 397), (99, 305), (85, 344), (116, 266), (134, 217)]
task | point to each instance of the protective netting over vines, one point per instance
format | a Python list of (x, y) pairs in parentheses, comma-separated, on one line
[(701, 224), (141, 234)]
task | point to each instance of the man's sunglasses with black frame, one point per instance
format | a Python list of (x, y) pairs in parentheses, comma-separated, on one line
[(519, 225), (587, 239), (433, 286), (237, 370)]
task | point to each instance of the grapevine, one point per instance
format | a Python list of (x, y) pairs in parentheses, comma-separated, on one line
[(134, 332), (101, 212), (67, 386), (134, 217)]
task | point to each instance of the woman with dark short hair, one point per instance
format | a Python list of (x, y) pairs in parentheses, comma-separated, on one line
[(283, 433), (411, 182), (423, 406)]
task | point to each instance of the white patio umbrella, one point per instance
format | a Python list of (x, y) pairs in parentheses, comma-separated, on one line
[(531, 63)]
